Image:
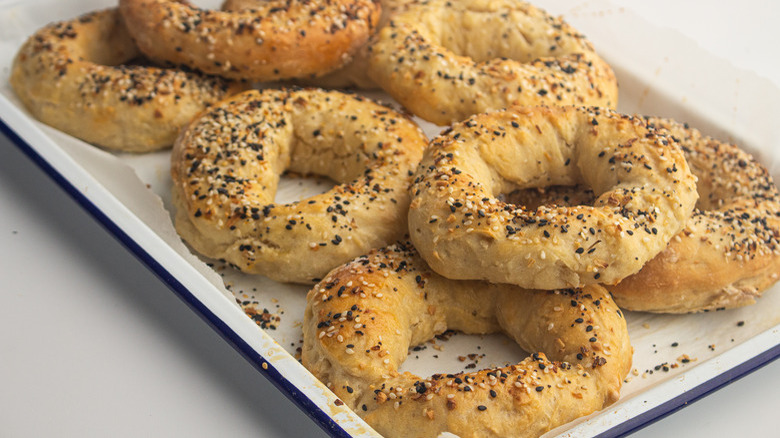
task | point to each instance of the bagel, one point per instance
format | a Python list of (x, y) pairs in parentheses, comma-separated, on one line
[(278, 39), (646, 193), (70, 75), (445, 60), (226, 166), (361, 320), (729, 251)]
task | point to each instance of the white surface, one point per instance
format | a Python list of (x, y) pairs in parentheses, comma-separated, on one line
[(112, 351), (93, 344)]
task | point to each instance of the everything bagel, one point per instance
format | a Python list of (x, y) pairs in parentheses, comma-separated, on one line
[(363, 317), (70, 75), (729, 251), (645, 194), (277, 39), (445, 60), (226, 166)]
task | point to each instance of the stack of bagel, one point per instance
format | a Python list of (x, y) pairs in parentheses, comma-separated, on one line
[(539, 211)]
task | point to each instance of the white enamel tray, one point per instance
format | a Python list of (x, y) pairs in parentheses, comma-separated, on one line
[(677, 358)]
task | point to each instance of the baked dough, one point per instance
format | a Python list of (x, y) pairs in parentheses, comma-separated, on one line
[(71, 76), (279, 39), (226, 166), (445, 60), (729, 251), (362, 318), (355, 73), (646, 193)]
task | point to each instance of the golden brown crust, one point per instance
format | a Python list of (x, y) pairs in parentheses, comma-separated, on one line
[(445, 60), (226, 166), (729, 251), (362, 318), (279, 39), (645, 190), (727, 254), (355, 73), (70, 76)]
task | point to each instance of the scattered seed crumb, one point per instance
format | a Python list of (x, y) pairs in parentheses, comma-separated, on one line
[(684, 359), (446, 335), (265, 319)]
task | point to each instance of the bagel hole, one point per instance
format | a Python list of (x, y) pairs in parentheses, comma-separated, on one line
[(138, 61), (536, 197), (208, 4), (142, 61), (454, 352), (294, 187), (120, 59)]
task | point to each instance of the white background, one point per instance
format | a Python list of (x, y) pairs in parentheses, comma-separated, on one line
[(93, 344)]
